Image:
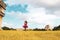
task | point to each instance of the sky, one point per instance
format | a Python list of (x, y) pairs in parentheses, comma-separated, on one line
[(38, 13)]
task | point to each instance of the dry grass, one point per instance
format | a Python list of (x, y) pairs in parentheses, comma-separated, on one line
[(29, 35)]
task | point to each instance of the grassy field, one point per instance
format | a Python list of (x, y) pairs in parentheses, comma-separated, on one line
[(29, 35)]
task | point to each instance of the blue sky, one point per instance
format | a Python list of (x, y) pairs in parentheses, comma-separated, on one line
[(38, 13)]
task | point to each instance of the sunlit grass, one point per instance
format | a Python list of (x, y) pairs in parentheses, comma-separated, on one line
[(29, 35)]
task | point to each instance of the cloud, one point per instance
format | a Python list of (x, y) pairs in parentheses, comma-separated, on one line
[(38, 15), (57, 12), (39, 11), (37, 2), (50, 5), (7, 24), (48, 2), (35, 15), (14, 2)]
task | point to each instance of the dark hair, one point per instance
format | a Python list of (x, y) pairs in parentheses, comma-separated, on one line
[(25, 21)]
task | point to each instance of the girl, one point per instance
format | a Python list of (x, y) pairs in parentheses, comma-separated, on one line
[(25, 25)]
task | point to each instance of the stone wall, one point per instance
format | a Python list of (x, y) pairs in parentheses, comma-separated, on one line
[(2, 8)]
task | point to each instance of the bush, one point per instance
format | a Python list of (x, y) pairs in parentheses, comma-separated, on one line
[(7, 28), (36, 29), (56, 28)]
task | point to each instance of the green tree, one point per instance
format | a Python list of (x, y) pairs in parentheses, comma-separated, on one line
[(5, 28), (56, 28)]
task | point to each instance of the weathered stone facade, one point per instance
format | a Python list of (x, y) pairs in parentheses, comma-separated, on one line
[(2, 8)]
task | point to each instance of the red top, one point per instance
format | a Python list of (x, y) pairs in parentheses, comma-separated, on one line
[(25, 25)]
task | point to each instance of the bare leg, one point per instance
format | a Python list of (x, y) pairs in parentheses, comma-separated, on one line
[(25, 29)]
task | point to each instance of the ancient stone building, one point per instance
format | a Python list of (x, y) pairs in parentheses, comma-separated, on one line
[(2, 8)]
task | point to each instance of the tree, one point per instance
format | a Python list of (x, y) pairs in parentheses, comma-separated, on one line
[(56, 28), (36, 29), (5, 28), (47, 27)]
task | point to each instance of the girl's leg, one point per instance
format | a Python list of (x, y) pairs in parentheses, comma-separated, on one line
[(24, 29)]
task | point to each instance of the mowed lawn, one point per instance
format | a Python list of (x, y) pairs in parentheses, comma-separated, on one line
[(29, 35)]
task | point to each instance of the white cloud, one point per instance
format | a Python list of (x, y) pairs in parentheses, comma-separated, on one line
[(35, 15), (7, 24), (57, 12), (15, 2), (50, 2), (38, 15), (34, 2)]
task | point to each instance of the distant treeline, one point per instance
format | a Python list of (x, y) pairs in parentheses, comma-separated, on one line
[(36, 29), (56, 28), (7, 28)]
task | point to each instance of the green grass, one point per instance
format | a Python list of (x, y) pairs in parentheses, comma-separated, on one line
[(29, 35)]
